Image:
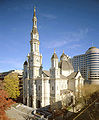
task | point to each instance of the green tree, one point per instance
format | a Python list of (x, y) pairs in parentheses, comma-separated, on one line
[(11, 85)]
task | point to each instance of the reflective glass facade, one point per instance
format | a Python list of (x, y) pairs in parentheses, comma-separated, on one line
[(92, 62), (79, 63), (88, 64)]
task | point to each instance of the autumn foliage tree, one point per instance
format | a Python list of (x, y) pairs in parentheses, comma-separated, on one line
[(11, 85), (5, 103)]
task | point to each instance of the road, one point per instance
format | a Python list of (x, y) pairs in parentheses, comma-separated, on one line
[(88, 113)]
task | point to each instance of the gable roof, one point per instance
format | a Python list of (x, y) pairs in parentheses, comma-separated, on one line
[(72, 75), (63, 77), (46, 73)]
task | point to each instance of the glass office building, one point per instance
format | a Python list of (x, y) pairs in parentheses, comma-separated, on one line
[(88, 64)]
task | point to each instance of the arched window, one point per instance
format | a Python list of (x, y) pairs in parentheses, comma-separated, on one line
[(35, 22)]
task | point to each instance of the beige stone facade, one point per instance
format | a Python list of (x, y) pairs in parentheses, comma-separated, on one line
[(41, 87)]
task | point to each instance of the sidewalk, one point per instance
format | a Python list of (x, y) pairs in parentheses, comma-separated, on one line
[(19, 112)]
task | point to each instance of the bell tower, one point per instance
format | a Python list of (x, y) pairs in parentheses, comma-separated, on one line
[(34, 36), (54, 71), (35, 56)]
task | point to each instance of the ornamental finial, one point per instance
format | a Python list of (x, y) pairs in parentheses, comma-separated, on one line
[(54, 50), (34, 11)]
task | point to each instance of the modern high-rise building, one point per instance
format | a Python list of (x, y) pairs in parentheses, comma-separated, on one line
[(88, 64)]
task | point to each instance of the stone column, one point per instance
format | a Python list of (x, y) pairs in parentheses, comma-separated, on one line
[(34, 94), (42, 104), (28, 92)]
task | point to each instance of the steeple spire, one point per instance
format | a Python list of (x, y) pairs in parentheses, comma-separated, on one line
[(34, 11), (54, 50), (34, 32), (63, 51), (34, 35), (34, 18), (54, 56)]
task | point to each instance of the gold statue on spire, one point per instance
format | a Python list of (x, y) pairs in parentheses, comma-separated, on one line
[(34, 11), (63, 51), (54, 50)]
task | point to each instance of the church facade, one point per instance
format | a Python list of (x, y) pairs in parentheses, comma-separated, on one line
[(41, 87)]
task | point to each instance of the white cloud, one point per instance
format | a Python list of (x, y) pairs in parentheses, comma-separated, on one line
[(25, 6), (74, 46), (68, 37), (49, 16), (55, 44), (15, 63)]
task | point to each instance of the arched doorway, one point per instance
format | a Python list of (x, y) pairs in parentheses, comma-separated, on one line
[(38, 103)]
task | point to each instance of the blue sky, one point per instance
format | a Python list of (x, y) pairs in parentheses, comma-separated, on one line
[(69, 25)]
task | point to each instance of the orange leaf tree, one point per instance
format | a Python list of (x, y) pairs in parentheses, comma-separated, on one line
[(5, 103)]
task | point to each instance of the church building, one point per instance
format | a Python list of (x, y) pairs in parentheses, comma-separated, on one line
[(41, 87)]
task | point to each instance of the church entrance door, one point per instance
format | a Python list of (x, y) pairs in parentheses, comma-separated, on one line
[(38, 104)]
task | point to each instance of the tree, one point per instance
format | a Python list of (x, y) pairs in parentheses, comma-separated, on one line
[(86, 93), (1, 85), (5, 103), (11, 85)]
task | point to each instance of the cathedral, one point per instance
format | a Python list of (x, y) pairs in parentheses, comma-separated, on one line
[(41, 87)]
